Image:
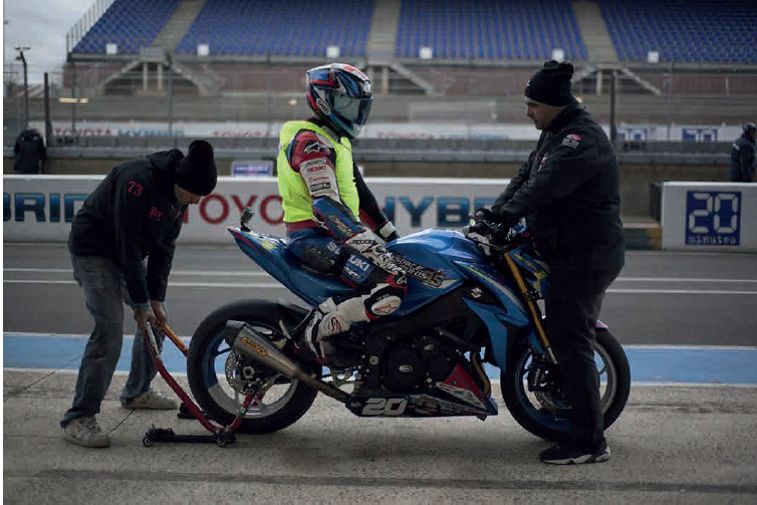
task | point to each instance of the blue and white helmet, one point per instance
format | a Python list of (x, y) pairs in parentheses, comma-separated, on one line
[(341, 96)]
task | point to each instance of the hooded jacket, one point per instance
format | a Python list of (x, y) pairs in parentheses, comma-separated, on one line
[(568, 191), (133, 214)]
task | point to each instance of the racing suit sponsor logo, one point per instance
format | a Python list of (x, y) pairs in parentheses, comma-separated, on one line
[(315, 147), (386, 305), (359, 263), (341, 226)]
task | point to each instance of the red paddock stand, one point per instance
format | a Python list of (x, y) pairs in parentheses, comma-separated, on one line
[(220, 435)]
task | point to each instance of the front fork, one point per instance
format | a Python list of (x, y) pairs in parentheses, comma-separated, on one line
[(533, 308)]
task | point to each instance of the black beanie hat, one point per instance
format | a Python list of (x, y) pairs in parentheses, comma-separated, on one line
[(551, 84), (196, 172)]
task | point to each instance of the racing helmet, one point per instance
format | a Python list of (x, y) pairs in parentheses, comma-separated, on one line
[(750, 129), (341, 96)]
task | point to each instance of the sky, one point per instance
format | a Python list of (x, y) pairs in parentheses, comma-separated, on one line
[(42, 25)]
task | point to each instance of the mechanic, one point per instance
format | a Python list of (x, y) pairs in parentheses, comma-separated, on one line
[(122, 244), (568, 192)]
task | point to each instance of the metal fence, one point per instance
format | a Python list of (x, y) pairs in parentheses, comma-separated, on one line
[(250, 99)]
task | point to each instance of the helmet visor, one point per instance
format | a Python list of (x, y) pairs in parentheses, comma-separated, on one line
[(353, 110)]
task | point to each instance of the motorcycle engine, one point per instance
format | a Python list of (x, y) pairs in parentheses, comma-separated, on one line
[(410, 364)]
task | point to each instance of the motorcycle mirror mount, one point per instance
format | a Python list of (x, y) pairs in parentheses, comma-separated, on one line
[(247, 214)]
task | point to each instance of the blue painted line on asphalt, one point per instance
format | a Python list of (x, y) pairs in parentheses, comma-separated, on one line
[(649, 364)]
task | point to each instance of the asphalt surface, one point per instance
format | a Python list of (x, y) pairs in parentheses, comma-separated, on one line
[(660, 297), (672, 444)]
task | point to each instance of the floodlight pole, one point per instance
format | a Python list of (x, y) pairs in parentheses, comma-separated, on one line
[(613, 128), (21, 57)]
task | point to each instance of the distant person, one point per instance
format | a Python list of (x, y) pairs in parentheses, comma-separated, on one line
[(122, 244), (742, 155), (29, 152)]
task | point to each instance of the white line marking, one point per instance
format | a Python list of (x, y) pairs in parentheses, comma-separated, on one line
[(199, 273), (270, 285), (688, 347), (681, 292), (240, 285), (635, 384), (74, 336), (74, 371), (209, 273), (679, 279)]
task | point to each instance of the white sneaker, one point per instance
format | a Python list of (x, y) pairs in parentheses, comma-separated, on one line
[(85, 431), (150, 400)]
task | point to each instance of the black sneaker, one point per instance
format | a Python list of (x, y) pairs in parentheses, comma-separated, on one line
[(571, 455)]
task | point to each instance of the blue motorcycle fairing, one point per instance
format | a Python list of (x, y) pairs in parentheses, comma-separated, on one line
[(271, 254), (437, 262)]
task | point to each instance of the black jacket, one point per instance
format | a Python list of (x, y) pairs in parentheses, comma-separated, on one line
[(568, 192), (28, 152), (132, 214), (742, 160)]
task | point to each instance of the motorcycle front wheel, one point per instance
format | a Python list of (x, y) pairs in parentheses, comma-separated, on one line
[(545, 413), (220, 379)]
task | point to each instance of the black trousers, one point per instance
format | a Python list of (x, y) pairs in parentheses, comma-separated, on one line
[(572, 307)]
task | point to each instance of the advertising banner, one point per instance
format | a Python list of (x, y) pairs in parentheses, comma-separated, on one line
[(40, 208)]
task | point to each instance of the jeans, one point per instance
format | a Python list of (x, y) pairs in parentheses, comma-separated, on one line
[(572, 307), (105, 294)]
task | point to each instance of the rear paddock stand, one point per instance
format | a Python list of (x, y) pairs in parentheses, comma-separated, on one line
[(220, 435)]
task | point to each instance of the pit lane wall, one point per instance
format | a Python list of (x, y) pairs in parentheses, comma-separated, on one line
[(40, 208), (709, 216), (694, 215)]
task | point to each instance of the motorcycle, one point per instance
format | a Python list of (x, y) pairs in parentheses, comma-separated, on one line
[(464, 310)]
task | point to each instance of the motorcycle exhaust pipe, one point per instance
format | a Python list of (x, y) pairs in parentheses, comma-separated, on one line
[(249, 343)]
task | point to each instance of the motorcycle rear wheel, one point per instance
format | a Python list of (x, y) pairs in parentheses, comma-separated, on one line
[(210, 356), (548, 419)]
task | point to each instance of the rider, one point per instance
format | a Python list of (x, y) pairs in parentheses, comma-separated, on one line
[(325, 199)]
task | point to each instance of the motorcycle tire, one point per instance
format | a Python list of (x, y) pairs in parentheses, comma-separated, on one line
[(206, 372), (542, 421)]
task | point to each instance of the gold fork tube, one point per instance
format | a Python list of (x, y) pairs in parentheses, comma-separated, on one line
[(532, 307)]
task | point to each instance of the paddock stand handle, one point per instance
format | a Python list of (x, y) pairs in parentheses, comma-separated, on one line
[(220, 435)]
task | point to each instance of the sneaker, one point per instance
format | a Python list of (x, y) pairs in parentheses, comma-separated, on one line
[(570, 455), (150, 400), (85, 431)]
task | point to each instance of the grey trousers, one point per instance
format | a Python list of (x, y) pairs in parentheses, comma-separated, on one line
[(105, 295)]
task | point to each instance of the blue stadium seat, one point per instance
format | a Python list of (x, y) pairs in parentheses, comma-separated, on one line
[(130, 24), (283, 27), (486, 30), (690, 31)]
